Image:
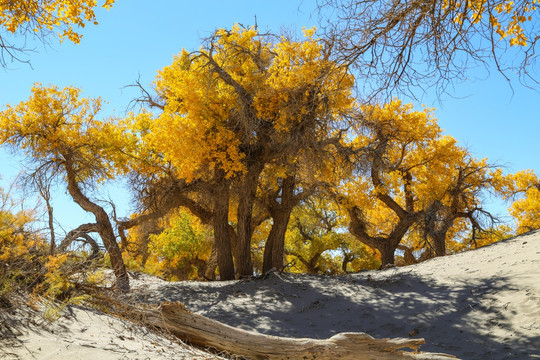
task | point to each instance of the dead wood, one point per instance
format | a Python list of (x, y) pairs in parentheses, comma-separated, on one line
[(202, 331)]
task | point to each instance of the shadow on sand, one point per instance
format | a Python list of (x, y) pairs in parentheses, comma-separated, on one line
[(457, 320)]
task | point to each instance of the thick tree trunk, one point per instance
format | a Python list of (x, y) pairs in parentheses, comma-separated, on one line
[(281, 214), (199, 330), (439, 242), (103, 224), (387, 250), (244, 264), (221, 227), (275, 244), (244, 231)]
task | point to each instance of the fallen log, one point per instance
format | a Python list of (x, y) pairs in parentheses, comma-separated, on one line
[(199, 330)]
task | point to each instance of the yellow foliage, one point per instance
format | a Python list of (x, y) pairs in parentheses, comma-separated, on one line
[(41, 16), (506, 17), (525, 187), (204, 125), (316, 241), (412, 168), (56, 124), (409, 142)]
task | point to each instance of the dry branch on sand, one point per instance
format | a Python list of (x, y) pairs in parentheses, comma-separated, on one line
[(202, 331)]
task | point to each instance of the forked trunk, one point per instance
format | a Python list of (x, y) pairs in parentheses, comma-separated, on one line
[(387, 250)]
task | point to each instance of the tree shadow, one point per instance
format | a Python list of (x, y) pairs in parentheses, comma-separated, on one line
[(464, 319)]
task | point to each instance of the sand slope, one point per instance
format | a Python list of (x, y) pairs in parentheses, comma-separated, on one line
[(483, 304)]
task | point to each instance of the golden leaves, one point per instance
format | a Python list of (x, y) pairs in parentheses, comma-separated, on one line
[(524, 187), (506, 17), (412, 162), (218, 98), (45, 15), (56, 125)]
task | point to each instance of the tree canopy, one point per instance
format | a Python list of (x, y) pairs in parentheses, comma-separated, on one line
[(42, 19)]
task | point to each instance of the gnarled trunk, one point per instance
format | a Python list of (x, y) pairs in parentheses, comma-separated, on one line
[(103, 226), (439, 243), (387, 251), (210, 271), (386, 245)]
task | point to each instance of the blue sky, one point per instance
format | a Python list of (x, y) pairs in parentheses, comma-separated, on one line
[(137, 38)]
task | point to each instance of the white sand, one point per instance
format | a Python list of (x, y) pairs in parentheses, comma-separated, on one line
[(482, 304)]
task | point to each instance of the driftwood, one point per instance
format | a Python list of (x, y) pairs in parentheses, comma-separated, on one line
[(199, 330)]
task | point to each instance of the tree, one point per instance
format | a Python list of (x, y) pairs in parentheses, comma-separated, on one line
[(182, 250), (410, 175), (393, 144), (524, 188), (61, 136), (281, 192), (40, 19), (17, 241), (460, 199), (405, 44), (237, 105), (317, 240)]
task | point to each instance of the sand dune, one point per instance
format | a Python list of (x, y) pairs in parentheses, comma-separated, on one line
[(482, 304)]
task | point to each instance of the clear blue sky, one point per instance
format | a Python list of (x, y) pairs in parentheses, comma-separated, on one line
[(137, 38)]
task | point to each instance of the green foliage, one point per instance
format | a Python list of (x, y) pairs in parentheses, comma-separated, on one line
[(317, 241), (181, 250)]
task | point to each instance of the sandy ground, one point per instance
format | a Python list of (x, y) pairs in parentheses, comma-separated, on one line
[(483, 304)]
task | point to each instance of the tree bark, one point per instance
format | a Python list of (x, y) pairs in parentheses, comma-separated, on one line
[(439, 243), (281, 214), (199, 330), (103, 225), (386, 245), (387, 251), (408, 255), (210, 272), (244, 230), (221, 227), (275, 244)]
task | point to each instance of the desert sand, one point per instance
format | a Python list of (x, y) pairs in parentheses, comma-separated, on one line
[(481, 304)]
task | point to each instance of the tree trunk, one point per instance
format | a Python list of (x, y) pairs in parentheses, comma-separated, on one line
[(244, 264), (210, 272), (221, 227), (104, 227), (387, 250), (281, 214), (439, 242), (244, 231), (199, 330), (347, 258), (51, 225), (275, 244)]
